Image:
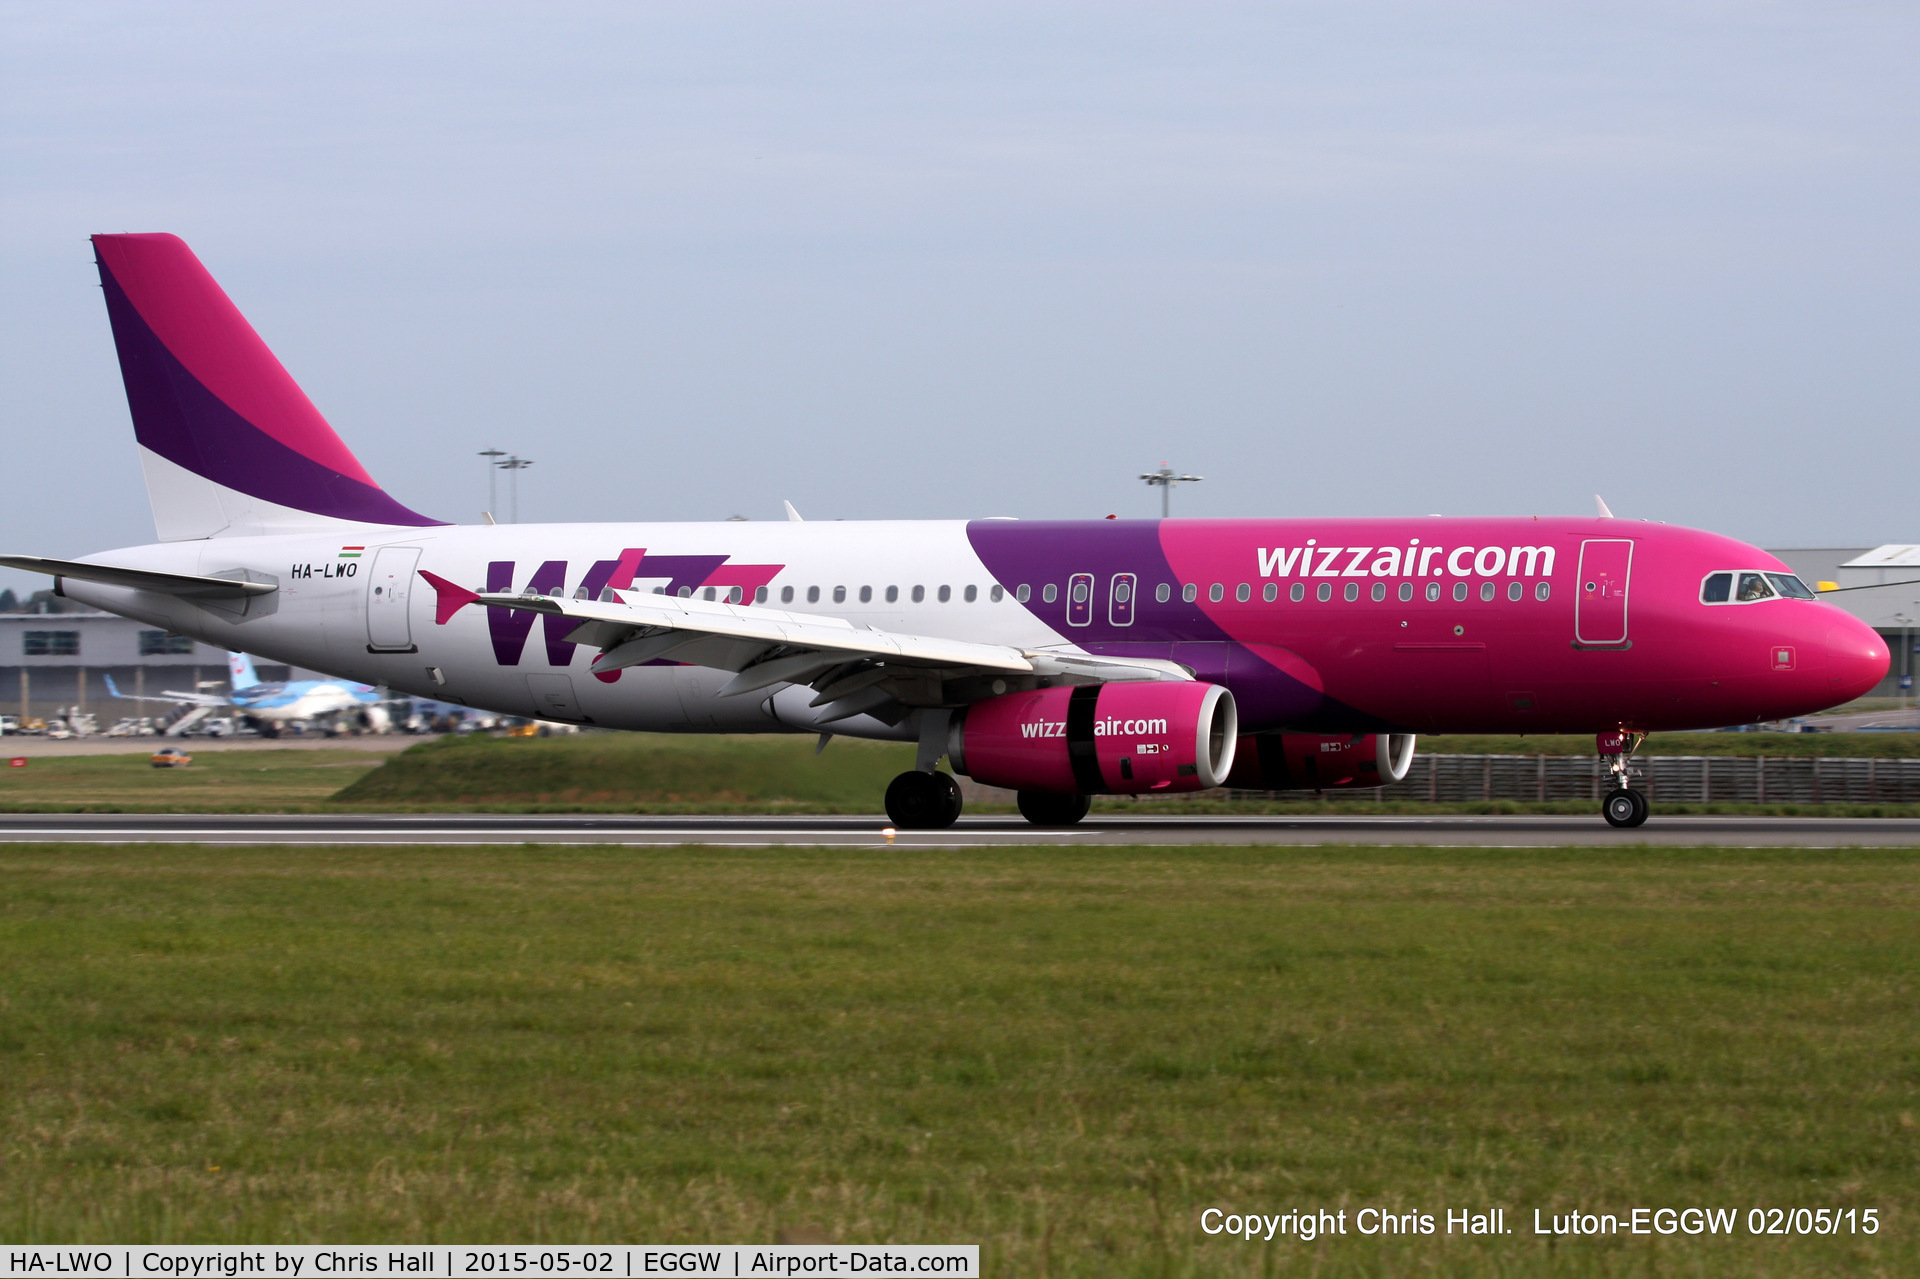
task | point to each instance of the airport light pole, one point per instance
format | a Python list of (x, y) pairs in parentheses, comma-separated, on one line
[(493, 479), (1165, 479), (514, 465), (1906, 657)]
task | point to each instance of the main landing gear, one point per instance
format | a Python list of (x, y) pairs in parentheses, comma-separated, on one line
[(1044, 808), (923, 801), (1623, 806)]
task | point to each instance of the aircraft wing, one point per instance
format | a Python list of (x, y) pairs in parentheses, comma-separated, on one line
[(853, 669), (186, 585), (191, 699)]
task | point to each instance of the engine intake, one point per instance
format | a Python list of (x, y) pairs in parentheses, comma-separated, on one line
[(1307, 761), (1120, 739)]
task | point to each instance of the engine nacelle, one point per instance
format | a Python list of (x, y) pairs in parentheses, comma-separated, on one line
[(1120, 739), (1306, 761)]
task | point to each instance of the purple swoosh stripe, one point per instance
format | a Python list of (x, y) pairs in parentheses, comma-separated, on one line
[(1037, 552), (175, 416)]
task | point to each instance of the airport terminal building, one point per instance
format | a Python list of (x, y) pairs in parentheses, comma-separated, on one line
[(50, 661)]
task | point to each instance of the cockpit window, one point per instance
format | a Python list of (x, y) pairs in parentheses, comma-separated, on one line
[(1790, 586), (1731, 587)]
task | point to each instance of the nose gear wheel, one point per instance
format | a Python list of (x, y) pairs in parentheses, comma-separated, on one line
[(1625, 808)]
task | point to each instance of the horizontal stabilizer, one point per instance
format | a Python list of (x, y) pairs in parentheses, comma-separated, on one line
[(184, 585)]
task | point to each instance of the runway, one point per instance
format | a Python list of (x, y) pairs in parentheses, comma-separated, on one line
[(974, 832)]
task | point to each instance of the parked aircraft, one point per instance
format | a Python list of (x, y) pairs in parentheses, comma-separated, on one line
[(280, 703), (1061, 659)]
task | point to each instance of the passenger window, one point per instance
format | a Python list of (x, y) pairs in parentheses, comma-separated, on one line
[(1122, 591), (1270, 592), (1189, 592), (946, 593), (686, 592), (1515, 590), (1216, 592), (1049, 593), (1753, 586), (1379, 591), (1080, 592), (1406, 591), (972, 594), (736, 595), (1023, 592), (1297, 592), (813, 595), (866, 595), (1543, 590), (1352, 592), (919, 594), (1242, 593), (998, 593), (707, 594), (1459, 592), (1433, 591), (839, 595), (786, 595), (1162, 593), (893, 595), (1486, 591), (1717, 589), (759, 595), (1790, 586), (1323, 592)]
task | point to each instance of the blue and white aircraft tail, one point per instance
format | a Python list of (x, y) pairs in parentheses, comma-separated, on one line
[(278, 702)]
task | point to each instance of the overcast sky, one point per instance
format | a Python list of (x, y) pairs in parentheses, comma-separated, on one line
[(892, 260)]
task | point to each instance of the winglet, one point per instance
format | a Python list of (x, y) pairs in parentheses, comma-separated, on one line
[(452, 597), (1600, 508)]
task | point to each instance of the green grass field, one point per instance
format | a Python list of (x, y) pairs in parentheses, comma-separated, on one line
[(218, 781), (1064, 1055), (672, 773), (653, 772)]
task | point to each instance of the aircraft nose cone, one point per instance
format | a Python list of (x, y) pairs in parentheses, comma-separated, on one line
[(1857, 659)]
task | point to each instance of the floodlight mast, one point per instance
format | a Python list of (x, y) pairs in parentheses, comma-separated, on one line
[(493, 498), (1164, 479), (514, 465)]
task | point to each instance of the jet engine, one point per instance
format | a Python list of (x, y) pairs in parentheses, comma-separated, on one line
[(1306, 761), (1121, 739)]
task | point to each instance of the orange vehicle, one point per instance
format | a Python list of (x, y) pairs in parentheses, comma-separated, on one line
[(171, 757)]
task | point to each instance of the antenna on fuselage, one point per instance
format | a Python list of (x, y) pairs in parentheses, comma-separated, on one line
[(1600, 508)]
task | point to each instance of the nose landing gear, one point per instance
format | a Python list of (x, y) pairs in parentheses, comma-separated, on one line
[(1623, 806)]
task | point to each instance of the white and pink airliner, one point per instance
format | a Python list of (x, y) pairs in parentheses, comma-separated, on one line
[(1060, 659)]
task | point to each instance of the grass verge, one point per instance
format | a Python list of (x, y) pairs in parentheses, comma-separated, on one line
[(218, 781), (1063, 1055)]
